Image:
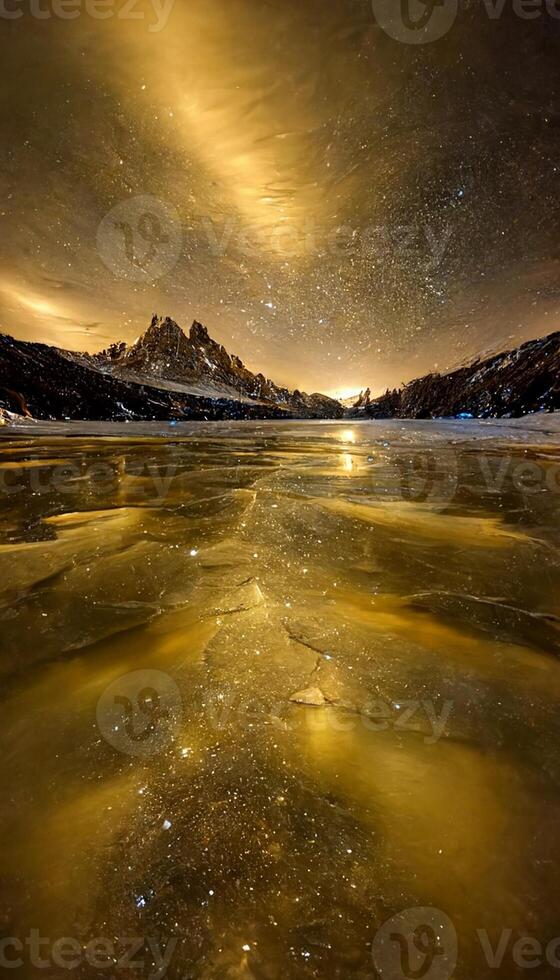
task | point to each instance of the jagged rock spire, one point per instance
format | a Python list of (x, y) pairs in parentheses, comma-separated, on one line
[(166, 353)]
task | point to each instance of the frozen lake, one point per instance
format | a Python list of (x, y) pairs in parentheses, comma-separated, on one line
[(267, 685)]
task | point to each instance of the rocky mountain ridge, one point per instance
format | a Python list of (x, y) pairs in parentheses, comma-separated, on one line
[(167, 375), (164, 375), (508, 385), (197, 363)]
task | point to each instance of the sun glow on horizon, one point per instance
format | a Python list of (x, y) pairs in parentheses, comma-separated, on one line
[(343, 393)]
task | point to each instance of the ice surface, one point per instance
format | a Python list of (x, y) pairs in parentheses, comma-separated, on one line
[(362, 625)]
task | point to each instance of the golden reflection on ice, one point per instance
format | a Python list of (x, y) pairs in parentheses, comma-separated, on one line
[(369, 691)]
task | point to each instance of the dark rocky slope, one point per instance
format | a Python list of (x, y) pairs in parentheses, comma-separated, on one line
[(507, 385), (164, 375)]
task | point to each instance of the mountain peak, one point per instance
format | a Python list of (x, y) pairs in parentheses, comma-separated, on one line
[(165, 353), (163, 332), (199, 334)]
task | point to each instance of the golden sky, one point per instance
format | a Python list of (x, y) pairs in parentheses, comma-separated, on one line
[(339, 209)]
